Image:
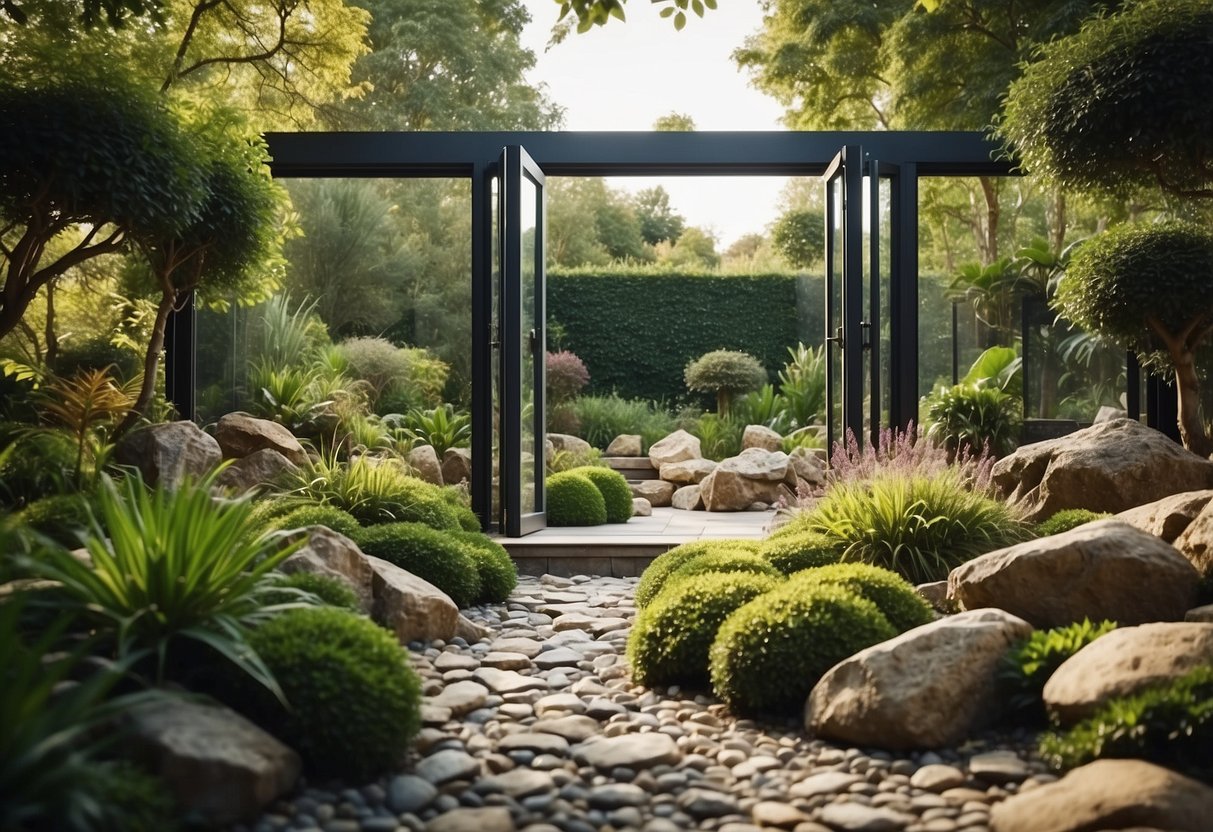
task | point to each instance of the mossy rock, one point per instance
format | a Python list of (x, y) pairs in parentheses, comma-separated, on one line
[(498, 574), (892, 594), (616, 493), (670, 640), (792, 553), (435, 556), (658, 572), (769, 653), (574, 500)]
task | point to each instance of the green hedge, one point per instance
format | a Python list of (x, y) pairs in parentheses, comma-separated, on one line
[(636, 333)]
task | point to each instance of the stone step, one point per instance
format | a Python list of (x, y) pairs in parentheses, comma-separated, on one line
[(632, 467)]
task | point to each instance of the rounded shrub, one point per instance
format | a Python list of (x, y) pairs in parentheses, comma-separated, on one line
[(331, 591), (724, 562), (658, 572), (265, 513), (800, 550), (892, 594), (614, 489), (317, 515), (1066, 519), (769, 653), (566, 376), (573, 500), (671, 638), (353, 700), (429, 554), (498, 574), (725, 373), (64, 518)]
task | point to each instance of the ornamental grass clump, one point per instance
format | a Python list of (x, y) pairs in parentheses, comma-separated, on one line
[(658, 572), (316, 515), (670, 641), (434, 556), (769, 653), (616, 493), (376, 490), (574, 500), (895, 597)]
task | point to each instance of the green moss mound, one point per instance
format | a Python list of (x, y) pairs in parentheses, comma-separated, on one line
[(498, 574), (658, 572), (334, 518), (1066, 519), (670, 640), (573, 500), (435, 556), (892, 594), (791, 553), (354, 700), (265, 513), (330, 591), (616, 493), (723, 562), (769, 653), (64, 518)]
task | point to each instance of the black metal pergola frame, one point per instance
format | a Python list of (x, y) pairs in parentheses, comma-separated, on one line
[(475, 157)]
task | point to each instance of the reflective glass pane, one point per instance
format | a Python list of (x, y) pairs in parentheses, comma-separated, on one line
[(529, 331)]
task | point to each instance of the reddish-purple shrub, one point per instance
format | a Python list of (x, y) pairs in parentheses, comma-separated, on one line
[(567, 376)]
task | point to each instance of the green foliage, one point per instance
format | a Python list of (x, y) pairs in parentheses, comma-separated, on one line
[(1122, 104), (725, 373), (802, 385), (88, 406), (573, 500), (565, 460), (334, 518), (402, 378), (329, 591), (614, 489), (95, 352), (799, 237), (498, 574), (1029, 664), (441, 428), (803, 550), (35, 464), (657, 573), (601, 418), (920, 527), (769, 653), (354, 701), (658, 222), (719, 436), (670, 640), (895, 597), (724, 561), (149, 590), (1171, 725), (628, 358), (376, 490), (972, 418), (1067, 519), (436, 556), (63, 518)]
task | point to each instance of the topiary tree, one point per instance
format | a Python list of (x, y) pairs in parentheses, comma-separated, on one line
[(725, 373), (1150, 287)]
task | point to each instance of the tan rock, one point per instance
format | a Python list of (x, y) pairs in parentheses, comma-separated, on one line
[(1196, 541), (641, 507), (676, 447), (1169, 517), (1106, 795), (928, 687), (659, 493), (169, 453), (626, 444), (240, 434), (469, 630), (687, 471), (569, 443), (688, 498), (1200, 614), (805, 464), (456, 466), (412, 608), (1112, 466), (754, 476), (263, 467), (760, 436), (335, 556), (1101, 570), (1123, 662), (423, 459)]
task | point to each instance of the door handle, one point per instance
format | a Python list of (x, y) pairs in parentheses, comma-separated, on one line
[(534, 339), (865, 331), (837, 338)]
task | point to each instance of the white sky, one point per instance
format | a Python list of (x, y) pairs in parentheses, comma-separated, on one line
[(625, 75)]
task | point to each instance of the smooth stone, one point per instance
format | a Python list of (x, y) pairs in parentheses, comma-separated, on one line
[(461, 697), (938, 778), (999, 767), (617, 795), (778, 814), (449, 764), (827, 783), (525, 646), (506, 661), (635, 751), (488, 819), (704, 803), (507, 681), (521, 782), (573, 728), (855, 817), (408, 793), (539, 743), (560, 657)]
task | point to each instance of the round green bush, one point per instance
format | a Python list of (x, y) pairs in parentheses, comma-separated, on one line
[(317, 515), (670, 640), (724, 562), (1066, 519), (658, 572), (769, 653), (331, 591), (467, 519), (892, 594), (498, 574), (793, 552), (410, 500), (354, 701), (429, 554), (573, 500), (64, 518), (615, 491)]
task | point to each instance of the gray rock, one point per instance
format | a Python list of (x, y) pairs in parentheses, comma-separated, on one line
[(489, 819), (169, 453), (999, 767), (461, 697), (855, 817), (938, 778), (826, 783), (456, 466), (263, 467), (634, 751), (522, 782), (641, 507), (335, 556), (704, 803), (446, 765), (408, 793), (423, 459), (617, 795), (573, 728), (241, 434), (534, 741), (411, 607), (560, 657), (507, 681)]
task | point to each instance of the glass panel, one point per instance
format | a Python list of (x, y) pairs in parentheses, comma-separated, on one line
[(885, 290), (834, 303), (866, 333), (495, 360), (528, 331)]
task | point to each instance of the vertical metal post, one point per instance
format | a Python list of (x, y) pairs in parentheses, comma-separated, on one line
[(1133, 383), (180, 358), (852, 290), (903, 300), (482, 348)]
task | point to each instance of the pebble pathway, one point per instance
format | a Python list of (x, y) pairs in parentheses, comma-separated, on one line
[(538, 728)]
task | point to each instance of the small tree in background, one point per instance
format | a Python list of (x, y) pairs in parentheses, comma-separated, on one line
[(1148, 287), (566, 376), (725, 373), (799, 237)]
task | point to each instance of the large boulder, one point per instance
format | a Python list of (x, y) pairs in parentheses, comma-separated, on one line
[(217, 765), (929, 687), (804, 464), (240, 434), (1123, 662), (754, 476), (1169, 517), (263, 467), (1106, 795), (1106, 569), (423, 459), (1112, 466), (626, 444), (335, 556), (1196, 541), (687, 471), (456, 466), (412, 608), (760, 436), (569, 443), (169, 453), (659, 493), (676, 447)]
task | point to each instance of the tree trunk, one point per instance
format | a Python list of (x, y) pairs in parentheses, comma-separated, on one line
[(1187, 391), (52, 340), (989, 245), (151, 361), (1057, 228)]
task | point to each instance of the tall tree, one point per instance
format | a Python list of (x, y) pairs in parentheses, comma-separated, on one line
[(658, 221)]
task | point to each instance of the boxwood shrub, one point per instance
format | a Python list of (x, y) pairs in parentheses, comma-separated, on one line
[(670, 640), (498, 574), (1066, 519), (657, 572), (770, 652), (724, 562), (614, 489), (893, 595), (435, 556), (803, 550), (573, 500), (317, 515)]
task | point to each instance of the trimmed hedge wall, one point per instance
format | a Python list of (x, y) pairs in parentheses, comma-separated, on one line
[(636, 332)]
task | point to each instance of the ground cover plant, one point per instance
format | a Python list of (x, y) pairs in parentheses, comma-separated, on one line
[(1030, 663), (498, 574), (374, 490), (724, 561), (1066, 519), (791, 553), (895, 597)]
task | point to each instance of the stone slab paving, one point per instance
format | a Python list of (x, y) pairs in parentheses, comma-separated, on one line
[(566, 743)]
